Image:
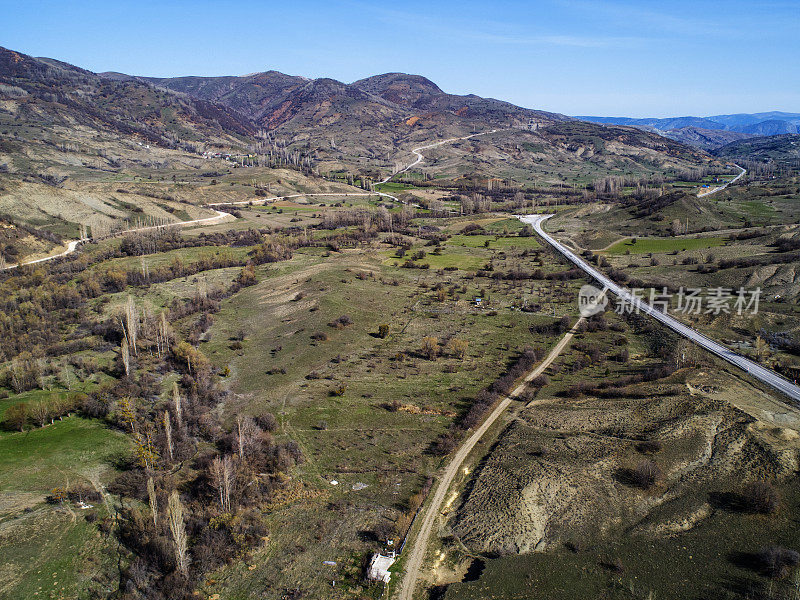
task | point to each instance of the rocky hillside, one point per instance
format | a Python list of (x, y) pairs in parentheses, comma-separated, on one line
[(49, 94), (782, 149), (367, 126), (366, 122), (705, 139)]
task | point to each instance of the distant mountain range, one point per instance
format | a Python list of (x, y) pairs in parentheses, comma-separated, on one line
[(711, 132), (765, 123)]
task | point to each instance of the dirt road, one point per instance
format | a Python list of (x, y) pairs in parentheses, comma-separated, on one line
[(417, 546)]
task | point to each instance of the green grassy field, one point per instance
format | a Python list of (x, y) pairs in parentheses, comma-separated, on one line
[(354, 438), (55, 554), (55, 455), (663, 245), (479, 241)]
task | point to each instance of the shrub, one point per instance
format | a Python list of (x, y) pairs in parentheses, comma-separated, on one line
[(267, 422), (444, 444), (649, 446), (645, 474), (247, 276), (339, 390), (776, 561), (458, 347), (760, 497), (341, 322), (16, 417), (383, 330), (430, 347), (540, 381)]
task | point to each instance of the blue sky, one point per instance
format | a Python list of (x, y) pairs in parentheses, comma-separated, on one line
[(597, 57)]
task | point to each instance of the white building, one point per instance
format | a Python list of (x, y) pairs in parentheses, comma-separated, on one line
[(379, 567)]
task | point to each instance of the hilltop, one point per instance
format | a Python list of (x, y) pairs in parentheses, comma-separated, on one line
[(64, 124), (783, 149)]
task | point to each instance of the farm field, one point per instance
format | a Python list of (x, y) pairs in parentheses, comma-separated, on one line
[(663, 245)]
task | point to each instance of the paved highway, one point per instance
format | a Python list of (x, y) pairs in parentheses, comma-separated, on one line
[(722, 187), (763, 374)]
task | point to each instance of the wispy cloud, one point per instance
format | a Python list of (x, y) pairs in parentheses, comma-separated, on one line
[(682, 20), (550, 40), (492, 31)]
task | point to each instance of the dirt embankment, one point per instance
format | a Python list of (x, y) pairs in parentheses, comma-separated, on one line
[(563, 471)]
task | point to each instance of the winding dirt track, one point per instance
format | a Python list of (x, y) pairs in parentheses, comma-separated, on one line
[(220, 217), (419, 544), (223, 216)]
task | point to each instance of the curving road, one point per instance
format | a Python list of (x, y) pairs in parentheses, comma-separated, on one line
[(722, 187), (223, 216), (73, 245), (415, 151), (767, 376)]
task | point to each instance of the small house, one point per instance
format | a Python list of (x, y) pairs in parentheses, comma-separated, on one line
[(379, 567)]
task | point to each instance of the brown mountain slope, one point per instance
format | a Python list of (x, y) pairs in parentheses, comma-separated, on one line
[(50, 93), (705, 139)]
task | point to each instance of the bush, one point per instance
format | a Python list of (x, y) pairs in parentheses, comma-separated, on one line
[(458, 347), (16, 417), (645, 475), (540, 381), (776, 561), (760, 497), (444, 445), (341, 322), (247, 276), (649, 447), (383, 330), (267, 422), (430, 347)]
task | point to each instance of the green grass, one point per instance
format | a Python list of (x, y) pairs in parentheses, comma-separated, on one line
[(54, 555), (662, 245), (479, 241), (393, 186), (461, 260), (361, 440), (40, 459), (187, 255)]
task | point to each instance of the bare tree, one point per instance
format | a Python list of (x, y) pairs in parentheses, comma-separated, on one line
[(168, 433), (131, 323), (177, 528), (248, 436), (126, 356), (163, 335), (176, 398), (151, 494), (40, 412), (222, 480)]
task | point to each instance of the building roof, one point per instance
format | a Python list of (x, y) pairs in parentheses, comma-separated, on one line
[(379, 567)]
